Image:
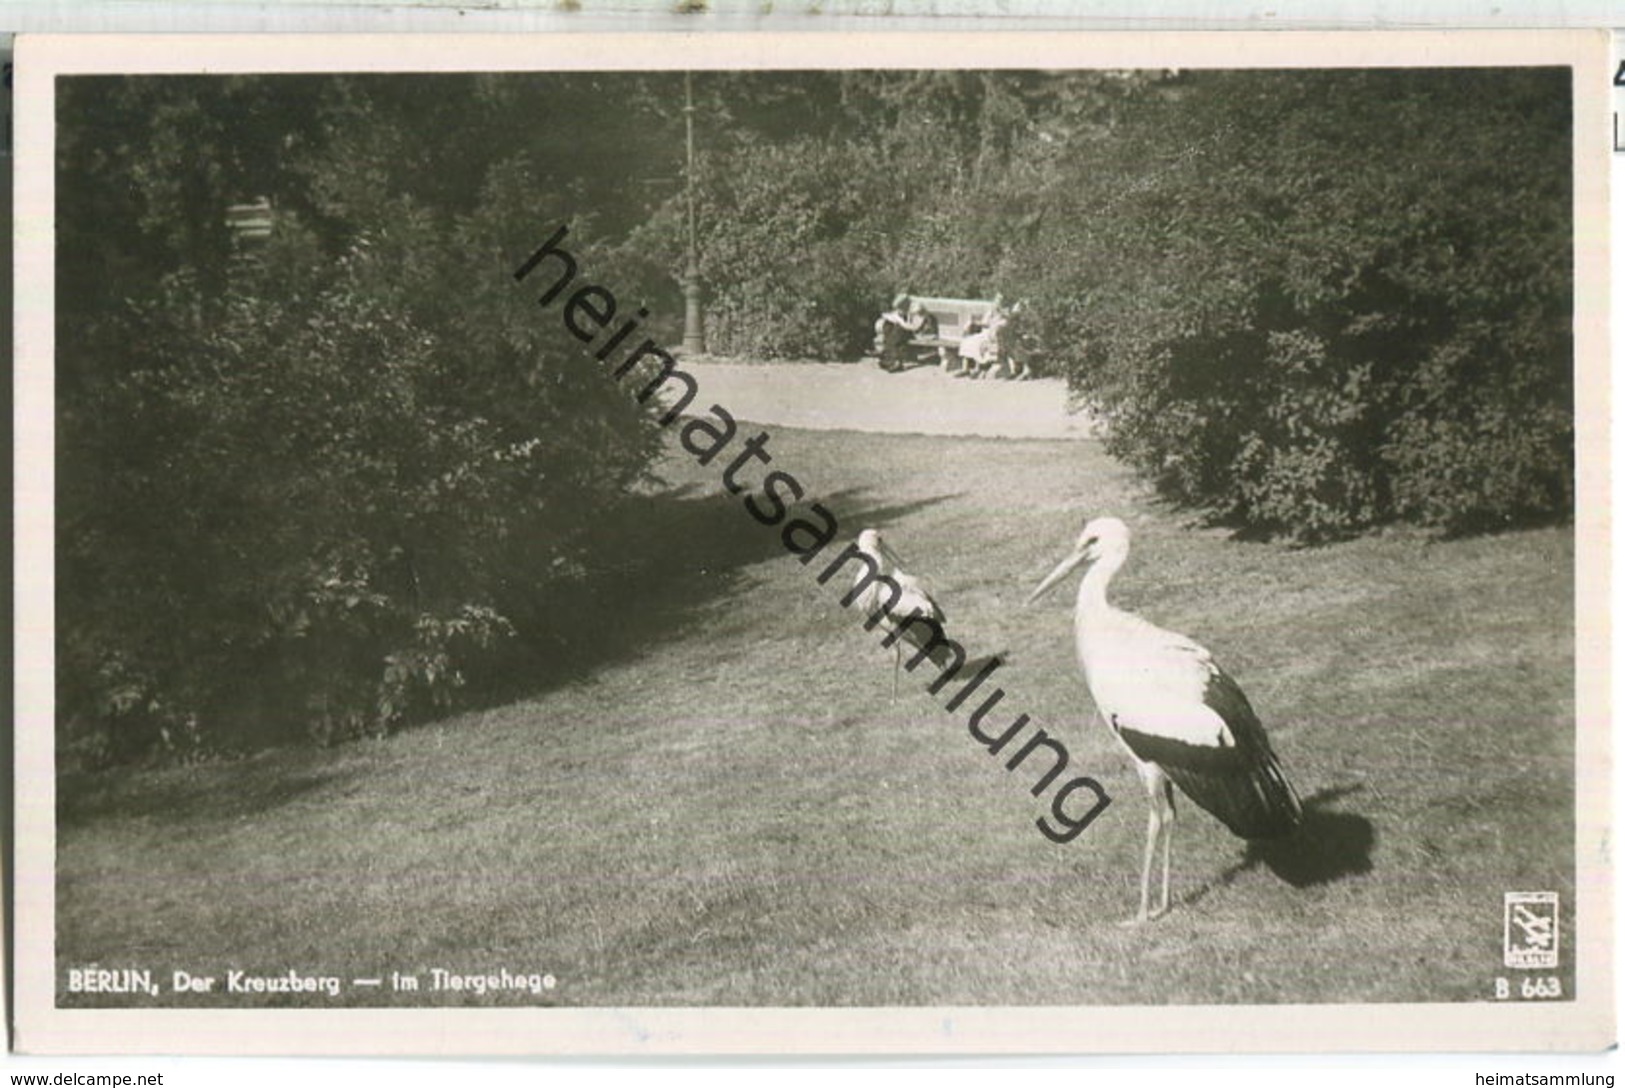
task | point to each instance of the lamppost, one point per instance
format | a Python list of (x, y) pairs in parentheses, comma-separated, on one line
[(693, 319)]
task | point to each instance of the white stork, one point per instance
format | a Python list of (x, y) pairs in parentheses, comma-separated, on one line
[(1184, 721), (912, 599)]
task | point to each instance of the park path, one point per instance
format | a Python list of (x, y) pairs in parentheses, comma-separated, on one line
[(862, 397)]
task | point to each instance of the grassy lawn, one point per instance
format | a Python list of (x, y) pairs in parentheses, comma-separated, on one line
[(722, 804)]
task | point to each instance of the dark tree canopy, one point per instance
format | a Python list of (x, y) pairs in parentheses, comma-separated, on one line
[(307, 481)]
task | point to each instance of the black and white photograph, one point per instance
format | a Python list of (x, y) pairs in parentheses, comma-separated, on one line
[(953, 543)]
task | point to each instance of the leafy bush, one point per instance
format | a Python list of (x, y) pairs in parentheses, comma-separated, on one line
[(301, 497), (791, 257), (1349, 303)]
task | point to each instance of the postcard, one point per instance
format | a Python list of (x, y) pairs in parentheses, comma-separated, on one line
[(836, 543)]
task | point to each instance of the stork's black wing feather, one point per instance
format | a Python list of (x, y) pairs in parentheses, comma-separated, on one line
[(1238, 780)]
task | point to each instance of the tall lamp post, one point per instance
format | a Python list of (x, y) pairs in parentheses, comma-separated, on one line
[(693, 319)]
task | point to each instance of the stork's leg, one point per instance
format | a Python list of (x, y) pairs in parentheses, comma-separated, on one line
[(1169, 816), (897, 667), (1158, 832), (1153, 832)]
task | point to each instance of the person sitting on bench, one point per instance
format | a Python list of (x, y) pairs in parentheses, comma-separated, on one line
[(979, 351), (898, 328)]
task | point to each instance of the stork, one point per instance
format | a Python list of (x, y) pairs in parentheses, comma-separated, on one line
[(912, 599), (1183, 719)]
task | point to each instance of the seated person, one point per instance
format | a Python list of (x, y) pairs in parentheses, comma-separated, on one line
[(979, 352), (898, 328), (1016, 345)]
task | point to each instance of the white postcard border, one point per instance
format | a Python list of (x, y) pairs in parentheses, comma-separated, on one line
[(1585, 1024)]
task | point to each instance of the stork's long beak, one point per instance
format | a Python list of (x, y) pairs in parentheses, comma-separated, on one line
[(891, 555), (1066, 567)]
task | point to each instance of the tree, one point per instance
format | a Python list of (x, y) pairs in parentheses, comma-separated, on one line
[(1342, 298), (304, 484)]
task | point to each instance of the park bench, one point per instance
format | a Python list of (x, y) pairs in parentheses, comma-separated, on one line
[(953, 316)]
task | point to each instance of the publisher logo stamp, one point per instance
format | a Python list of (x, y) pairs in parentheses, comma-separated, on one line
[(1531, 929)]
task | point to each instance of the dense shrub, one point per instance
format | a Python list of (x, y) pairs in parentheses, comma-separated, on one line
[(329, 498), (1347, 303), (792, 255), (304, 493)]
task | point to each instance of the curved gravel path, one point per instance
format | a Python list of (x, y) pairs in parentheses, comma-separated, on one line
[(862, 397)]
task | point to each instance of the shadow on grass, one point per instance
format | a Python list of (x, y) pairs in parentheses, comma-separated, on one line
[(658, 563), (658, 566), (206, 794), (1328, 846)]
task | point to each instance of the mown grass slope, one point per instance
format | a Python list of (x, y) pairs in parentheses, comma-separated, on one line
[(718, 801)]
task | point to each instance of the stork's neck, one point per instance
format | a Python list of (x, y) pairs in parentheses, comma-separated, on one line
[(1092, 619), (1092, 590), (877, 556)]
